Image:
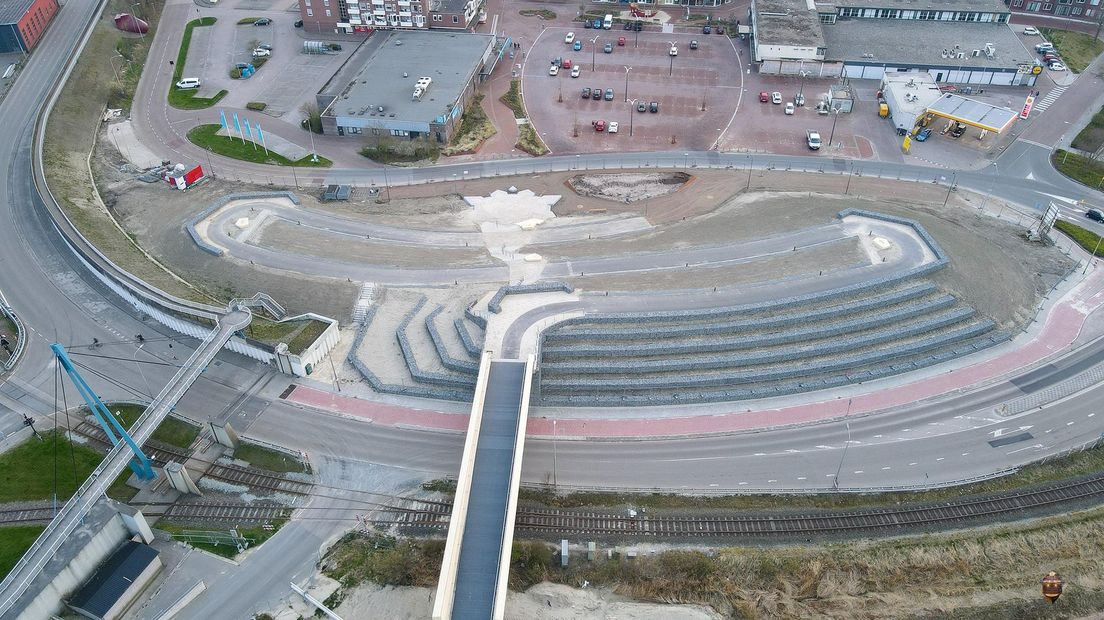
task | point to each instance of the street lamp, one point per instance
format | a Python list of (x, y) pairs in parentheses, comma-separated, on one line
[(627, 69), (593, 50), (801, 88), (113, 69), (835, 117), (140, 31), (632, 112)]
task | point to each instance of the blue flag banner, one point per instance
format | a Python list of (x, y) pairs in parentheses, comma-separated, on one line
[(248, 130), (222, 119), (237, 123)]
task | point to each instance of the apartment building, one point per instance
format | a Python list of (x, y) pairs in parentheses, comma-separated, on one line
[(1088, 11), (366, 15)]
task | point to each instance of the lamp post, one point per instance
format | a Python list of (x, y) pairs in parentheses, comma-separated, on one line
[(113, 69), (555, 463), (632, 113), (801, 88), (137, 17), (627, 69), (593, 50), (992, 187), (134, 359), (847, 423), (835, 116)]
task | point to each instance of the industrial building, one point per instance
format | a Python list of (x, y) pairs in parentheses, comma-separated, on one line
[(412, 85), (367, 15), (958, 41), (22, 23), (1085, 11)]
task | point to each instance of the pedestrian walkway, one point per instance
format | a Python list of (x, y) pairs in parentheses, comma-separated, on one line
[(1050, 98)]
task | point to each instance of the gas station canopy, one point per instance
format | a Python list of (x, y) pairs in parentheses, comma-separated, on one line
[(972, 113)]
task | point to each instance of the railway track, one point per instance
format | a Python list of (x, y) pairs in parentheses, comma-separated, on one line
[(235, 513), (26, 515), (555, 521)]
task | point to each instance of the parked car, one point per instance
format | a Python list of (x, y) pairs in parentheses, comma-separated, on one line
[(628, 25), (609, 94), (1045, 46), (621, 41), (612, 127), (557, 61), (264, 21), (596, 24), (578, 46), (653, 107), (694, 44), (789, 107), (812, 138), (575, 71), (764, 96), (608, 48), (569, 37), (641, 106), (596, 94), (638, 26), (958, 130), (599, 125), (776, 97), (1031, 30), (1056, 66), (1095, 215), (553, 70), (188, 83), (587, 24), (720, 30), (566, 64), (586, 93), (673, 51), (260, 52), (924, 134), (241, 65), (706, 29), (1050, 57), (265, 46), (799, 100), (298, 23)]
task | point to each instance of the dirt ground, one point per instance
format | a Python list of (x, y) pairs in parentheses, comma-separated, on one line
[(628, 187)]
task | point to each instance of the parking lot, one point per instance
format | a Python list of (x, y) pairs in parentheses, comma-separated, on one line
[(287, 80), (678, 84)]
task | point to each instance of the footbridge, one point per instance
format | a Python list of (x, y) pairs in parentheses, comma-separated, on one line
[(476, 564), (14, 590)]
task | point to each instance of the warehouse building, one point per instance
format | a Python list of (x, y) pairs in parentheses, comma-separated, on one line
[(413, 85), (957, 41), (22, 23)]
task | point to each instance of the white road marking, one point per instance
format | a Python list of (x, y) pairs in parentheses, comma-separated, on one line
[(801, 478), (913, 463), (885, 468), (858, 471), (940, 458)]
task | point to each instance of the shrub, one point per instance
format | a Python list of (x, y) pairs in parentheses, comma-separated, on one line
[(247, 20), (256, 106), (512, 99), (1087, 239)]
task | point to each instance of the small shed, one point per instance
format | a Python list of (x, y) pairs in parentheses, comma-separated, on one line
[(117, 582), (337, 192)]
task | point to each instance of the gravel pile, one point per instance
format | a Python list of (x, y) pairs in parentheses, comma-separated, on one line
[(628, 187)]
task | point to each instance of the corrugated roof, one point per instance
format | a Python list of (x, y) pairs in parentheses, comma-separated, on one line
[(12, 10), (112, 578), (971, 112)]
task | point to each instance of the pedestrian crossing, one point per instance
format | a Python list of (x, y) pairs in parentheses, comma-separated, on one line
[(1050, 98)]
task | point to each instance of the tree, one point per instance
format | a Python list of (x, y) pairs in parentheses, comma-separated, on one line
[(312, 116)]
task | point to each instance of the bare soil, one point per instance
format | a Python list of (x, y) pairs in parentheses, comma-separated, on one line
[(628, 187)]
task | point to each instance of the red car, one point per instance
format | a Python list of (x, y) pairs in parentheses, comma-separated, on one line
[(599, 125), (567, 63), (764, 97), (621, 41)]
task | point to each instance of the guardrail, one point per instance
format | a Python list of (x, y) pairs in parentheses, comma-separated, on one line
[(20, 333)]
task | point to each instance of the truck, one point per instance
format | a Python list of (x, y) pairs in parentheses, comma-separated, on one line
[(812, 138), (607, 23)]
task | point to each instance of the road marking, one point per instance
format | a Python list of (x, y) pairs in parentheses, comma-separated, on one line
[(801, 478), (770, 481), (824, 447), (940, 458), (1034, 447), (1091, 414), (885, 468), (913, 463), (829, 475), (1069, 423), (965, 454), (858, 471), (742, 483)]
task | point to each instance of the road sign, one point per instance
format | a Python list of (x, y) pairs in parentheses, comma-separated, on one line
[(1027, 106)]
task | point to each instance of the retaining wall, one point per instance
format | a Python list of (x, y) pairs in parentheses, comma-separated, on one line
[(222, 202), (495, 304)]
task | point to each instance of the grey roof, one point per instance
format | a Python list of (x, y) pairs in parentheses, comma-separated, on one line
[(787, 22), (973, 112), (12, 10), (878, 41), (477, 575), (450, 58), (448, 6), (112, 579), (909, 95), (982, 6)]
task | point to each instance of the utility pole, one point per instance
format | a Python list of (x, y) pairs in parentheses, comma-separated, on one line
[(627, 69), (847, 423)]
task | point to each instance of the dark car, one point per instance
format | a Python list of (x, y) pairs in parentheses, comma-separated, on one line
[(641, 106), (264, 21), (587, 24), (596, 94), (241, 65), (694, 44), (1095, 215), (628, 25), (958, 130), (720, 29), (654, 107), (706, 29), (586, 93), (298, 23), (609, 94)]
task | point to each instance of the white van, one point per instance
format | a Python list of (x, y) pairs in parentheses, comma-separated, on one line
[(607, 23), (188, 83)]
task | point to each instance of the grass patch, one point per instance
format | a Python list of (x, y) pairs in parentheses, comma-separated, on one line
[(1077, 49), (257, 534), (256, 106), (512, 99), (206, 136), (186, 99), (475, 127), (172, 431), (388, 152), (1082, 169), (529, 141), (298, 335), (1091, 138), (27, 470), (247, 20), (1087, 239), (14, 542), (988, 573), (133, 51), (541, 13), (266, 458)]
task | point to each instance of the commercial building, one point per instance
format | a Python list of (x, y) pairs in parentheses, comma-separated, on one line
[(1088, 11), (22, 23), (959, 41), (411, 85), (368, 15), (671, 3)]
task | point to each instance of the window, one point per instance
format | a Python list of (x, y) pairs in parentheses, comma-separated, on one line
[(1075, 10), (328, 14), (325, 2), (1002, 18), (310, 12), (827, 18), (1047, 6), (352, 130), (306, 2), (399, 132), (928, 15), (438, 18), (455, 19), (850, 12), (1033, 6), (1017, 4)]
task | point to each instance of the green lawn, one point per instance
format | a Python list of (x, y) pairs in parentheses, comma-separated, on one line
[(298, 335), (1077, 49), (14, 542), (1091, 138), (1085, 238), (27, 471), (256, 534), (264, 458), (1081, 169), (186, 99), (206, 136), (172, 431)]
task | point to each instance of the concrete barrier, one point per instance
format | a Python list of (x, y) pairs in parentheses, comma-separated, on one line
[(447, 360), (202, 243), (495, 304)]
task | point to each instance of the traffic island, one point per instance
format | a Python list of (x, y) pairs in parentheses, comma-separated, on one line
[(185, 99)]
